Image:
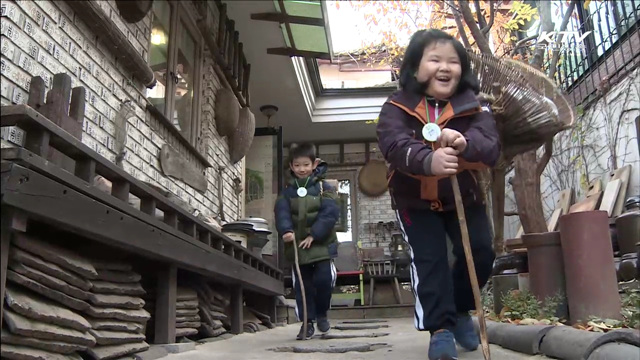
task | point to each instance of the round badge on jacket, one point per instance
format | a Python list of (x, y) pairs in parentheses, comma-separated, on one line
[(431, 132), (302, 192)]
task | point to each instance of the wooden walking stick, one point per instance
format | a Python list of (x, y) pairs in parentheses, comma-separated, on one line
[(304, 297), (466, 244)]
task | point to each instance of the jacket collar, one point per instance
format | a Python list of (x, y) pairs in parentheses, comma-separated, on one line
[(414, 103)]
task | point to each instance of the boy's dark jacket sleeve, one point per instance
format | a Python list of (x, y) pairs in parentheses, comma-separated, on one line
[(327, 216), (483, 143), (284, 221), (398, 144)]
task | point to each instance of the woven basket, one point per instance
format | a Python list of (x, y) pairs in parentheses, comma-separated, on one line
[(372, 178), (227, 112), (242, 137)]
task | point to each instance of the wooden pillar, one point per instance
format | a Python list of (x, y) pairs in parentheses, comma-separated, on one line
[(11, 221), (273, 309), (237, 321), (166, 296)]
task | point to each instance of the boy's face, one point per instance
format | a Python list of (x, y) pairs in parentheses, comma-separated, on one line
[(302, 167)]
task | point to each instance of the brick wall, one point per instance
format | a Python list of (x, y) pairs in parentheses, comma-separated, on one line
[(42, 38)]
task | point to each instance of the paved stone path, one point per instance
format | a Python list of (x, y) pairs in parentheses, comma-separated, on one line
[(397, 340)]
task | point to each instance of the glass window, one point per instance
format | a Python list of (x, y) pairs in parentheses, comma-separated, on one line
[(174, 57), (184, 80), (159, 53)]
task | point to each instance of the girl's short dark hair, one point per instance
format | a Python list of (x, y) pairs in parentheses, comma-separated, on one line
[(304, 150), (413, 55)]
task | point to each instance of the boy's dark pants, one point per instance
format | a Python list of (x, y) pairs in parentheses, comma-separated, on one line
[(319, 279), (440, 291)]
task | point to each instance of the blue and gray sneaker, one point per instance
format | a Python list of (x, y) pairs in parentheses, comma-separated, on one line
[(443, 346), (323, 324), (465, 332)]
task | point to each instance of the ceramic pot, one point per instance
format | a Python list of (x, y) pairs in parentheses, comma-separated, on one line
[(592, 289), (629, 267), (546, 268), (628, 231)]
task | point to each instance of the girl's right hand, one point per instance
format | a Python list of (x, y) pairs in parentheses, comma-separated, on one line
[(444, 161)]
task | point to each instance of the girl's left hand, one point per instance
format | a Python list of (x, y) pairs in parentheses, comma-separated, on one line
[(454, 139), (306, 243)]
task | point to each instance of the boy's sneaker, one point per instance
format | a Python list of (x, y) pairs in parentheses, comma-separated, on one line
[(442, 346), (323, 324), (465, 332), (310, 331)]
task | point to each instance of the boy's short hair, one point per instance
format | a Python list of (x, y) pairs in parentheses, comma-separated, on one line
[(306, 150)]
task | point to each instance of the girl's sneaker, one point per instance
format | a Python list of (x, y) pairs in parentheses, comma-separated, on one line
[(310, 331), (323, 324), (465, 332), (443, 346)]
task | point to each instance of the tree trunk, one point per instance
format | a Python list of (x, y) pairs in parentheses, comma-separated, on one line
[(526, 188), (498, 196)]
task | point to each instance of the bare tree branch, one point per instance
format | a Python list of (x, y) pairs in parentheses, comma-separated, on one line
[(461, 30), (492, 15), (482, 22), (556, 50), (544, 160), (482, 42), (546, 25)]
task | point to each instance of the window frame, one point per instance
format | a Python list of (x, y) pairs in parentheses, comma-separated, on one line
[(180, 14), (320, 91)]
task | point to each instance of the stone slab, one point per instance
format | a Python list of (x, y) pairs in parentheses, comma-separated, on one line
[(35, 307), (188, 324), (109, 337), (115, 325), (111, 265), (190, 318), (154, 352), (111, 288), (359, 327), (45, 291), (179, 347), (187, 304), (20, 325), (49, 268), (18, 352), (119, 276), (48, 281), (186, 332), (185, 293), (208, 331), (187, 312), (117, 351), (117, 301), (139, 315), (57, 255), (58, 347), (352, 336), (327, 348)]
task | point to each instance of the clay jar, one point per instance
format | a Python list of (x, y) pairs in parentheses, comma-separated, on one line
[(628, 231), (592, 287), (546, 267)]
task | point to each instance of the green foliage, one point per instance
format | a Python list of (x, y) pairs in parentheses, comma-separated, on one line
[(520, 305)]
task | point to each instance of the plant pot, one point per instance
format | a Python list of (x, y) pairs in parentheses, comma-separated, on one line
[(546, 268), (592, 289), (628, 231)]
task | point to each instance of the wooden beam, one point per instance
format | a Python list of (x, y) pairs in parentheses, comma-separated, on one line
[(166, 296), (287, 25), (237, 321), (295, 52), (286, 18)]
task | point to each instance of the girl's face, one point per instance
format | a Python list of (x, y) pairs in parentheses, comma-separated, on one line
[(440, 67)]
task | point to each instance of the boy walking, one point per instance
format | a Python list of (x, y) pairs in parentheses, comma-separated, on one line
[(307, 212)]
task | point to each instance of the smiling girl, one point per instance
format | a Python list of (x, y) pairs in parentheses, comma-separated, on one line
[(432, 128)]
